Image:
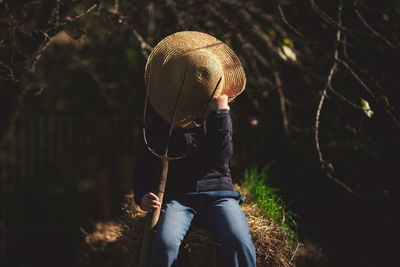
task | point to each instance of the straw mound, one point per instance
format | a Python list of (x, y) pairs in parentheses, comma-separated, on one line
[(117, 244)]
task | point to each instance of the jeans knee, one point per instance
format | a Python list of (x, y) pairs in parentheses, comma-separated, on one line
[(164, 252), (167, 246), (236, 250)]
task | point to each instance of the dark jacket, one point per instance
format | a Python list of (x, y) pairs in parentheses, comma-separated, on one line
[(206, 166)]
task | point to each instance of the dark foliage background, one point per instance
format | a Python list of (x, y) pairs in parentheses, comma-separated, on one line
[(321, 105)]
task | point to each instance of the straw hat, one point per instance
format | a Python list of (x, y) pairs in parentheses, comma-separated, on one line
[(193, 63)]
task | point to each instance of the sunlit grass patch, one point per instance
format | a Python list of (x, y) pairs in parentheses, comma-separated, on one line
[(267, 200)]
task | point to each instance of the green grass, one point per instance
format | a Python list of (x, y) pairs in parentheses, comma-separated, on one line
[(268, 201)]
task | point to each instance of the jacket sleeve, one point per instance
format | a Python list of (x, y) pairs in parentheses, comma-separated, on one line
[(219, 139)]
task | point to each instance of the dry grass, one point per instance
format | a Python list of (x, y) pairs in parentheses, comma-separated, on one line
[(117, 244)]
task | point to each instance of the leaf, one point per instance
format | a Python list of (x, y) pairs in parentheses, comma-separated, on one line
[(287, 53), (366, 108), (288, 42)]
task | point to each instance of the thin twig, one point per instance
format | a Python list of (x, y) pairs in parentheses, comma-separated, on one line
[(253, 56), (295, 252), (369, 27), (146, 48), (284, 19), (363, 5), (355, 75), (325, 16), (343, 98), (317, 118), (49, 39), (40, 52), (69, 19), (331, 21)]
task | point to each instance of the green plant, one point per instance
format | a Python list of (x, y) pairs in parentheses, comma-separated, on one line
[(267, 199)]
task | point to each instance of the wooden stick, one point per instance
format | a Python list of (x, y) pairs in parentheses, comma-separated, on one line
[(152, 217)]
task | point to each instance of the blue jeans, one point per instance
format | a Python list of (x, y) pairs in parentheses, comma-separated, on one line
[(221, 214)]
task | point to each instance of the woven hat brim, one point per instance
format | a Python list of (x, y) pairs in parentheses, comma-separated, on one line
[(176, 45)]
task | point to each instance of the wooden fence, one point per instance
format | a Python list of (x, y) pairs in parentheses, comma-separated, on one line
[(61, 170)]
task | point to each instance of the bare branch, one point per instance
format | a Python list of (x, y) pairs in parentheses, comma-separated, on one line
[(343, 185), (249, 47), (355, 75), (279, 85), (367, 7), (388, 107), (253, 64), (372, 30), (253, 56), (287, 22), (343, 98), (319, 109), (49, 39), (10, 72), (331, 21), (40, 52), (324, 164), (146, 48), (265, 16), (68, 20), (325, 16)]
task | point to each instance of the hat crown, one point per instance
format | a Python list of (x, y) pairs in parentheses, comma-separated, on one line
[(203, 71)]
